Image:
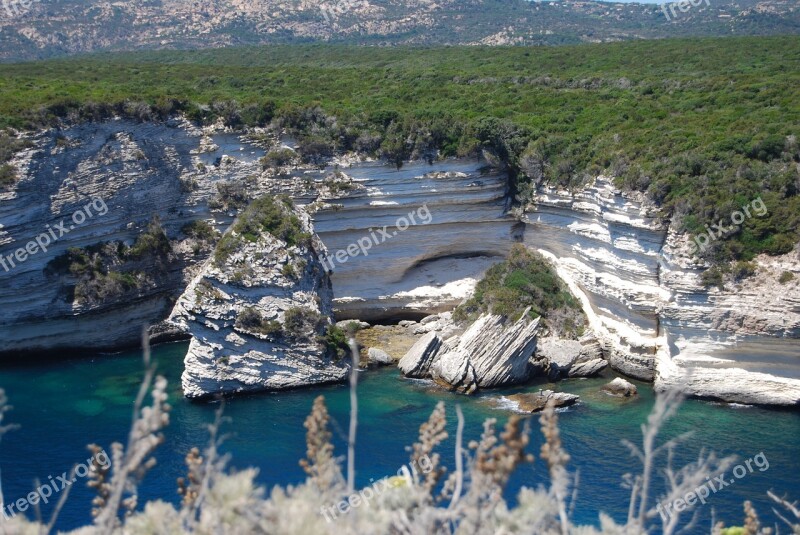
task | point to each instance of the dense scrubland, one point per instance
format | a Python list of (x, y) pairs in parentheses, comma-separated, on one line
[(702, 125)]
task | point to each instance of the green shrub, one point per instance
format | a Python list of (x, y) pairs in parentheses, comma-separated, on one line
[(335, 340), (288, 271), (278, 158), (250, 319), (153, 242), (786, 276), (8, 175), (524, 280), (230, 196), (199, 230), (301, 323), (101, 287), (743, 270), (713, 276), (264, 215)]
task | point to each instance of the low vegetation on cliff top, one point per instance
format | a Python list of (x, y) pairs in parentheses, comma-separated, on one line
[(704, 127), (266, 214), (525, 279), (428, 499)]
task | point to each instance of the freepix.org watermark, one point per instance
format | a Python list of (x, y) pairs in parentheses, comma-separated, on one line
[(405, 477), (53, 234), (721, 230), (712, 486), (683, 6), (54, 485), (377, 237)]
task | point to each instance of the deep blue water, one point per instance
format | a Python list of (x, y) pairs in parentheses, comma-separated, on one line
[(64, 405)]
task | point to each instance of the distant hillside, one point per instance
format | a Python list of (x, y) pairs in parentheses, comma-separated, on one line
[(49, 28)]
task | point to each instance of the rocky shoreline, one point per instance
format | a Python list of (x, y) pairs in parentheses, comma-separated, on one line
[(649, 315)]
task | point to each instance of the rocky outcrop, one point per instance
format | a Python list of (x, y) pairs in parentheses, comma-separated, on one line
[(492, 352), (619, 387), (125, 178), (256, 317), (605, 245), (537, 401), (636, 280), (737, 344), (417, 362)]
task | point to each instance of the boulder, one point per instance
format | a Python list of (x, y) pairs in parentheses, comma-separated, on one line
[(559, 358), (379, 356), (492, 352), (537, 401), (559, 355), (619, 387), (417, 361)]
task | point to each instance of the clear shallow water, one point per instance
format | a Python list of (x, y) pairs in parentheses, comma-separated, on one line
[(62, 406)]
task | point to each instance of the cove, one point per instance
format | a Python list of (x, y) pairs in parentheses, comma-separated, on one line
[(63, 405)]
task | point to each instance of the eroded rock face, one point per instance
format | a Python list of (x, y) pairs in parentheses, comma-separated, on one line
[(428, 265), (640, 288), (126, 177), (255, 324), (492, 352), (606, 246), (739, 344)]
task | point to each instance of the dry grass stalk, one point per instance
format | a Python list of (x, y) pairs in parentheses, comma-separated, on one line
[(431, 434)]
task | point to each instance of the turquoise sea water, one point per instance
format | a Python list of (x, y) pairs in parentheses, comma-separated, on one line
[(62, 405)]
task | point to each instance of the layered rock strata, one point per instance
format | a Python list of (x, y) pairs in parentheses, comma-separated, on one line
[(256, 320), (641, 289), (494, 351)]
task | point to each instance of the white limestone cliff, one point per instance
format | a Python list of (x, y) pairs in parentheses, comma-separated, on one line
[(228, 354), (640, 288)]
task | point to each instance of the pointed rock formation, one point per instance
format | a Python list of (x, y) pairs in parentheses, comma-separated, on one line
[(258, 310), (494, 351), (417, 362)]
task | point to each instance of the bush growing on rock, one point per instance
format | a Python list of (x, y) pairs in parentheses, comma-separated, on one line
[(8, 175), (250, 319), (335, 340), (98, 273), (230, 196), (524, 280), (301, 323), (266, 214), (786, 276), (278, 158), (200, 230), (152, 243)]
